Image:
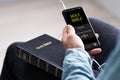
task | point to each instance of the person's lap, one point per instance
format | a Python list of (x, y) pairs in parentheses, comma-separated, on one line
[(16, 69), (108, 37)]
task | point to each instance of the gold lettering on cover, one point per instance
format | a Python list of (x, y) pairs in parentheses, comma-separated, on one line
[(20, 53), (56, 72), (43, 45), (47, 66), (24, 56), (38, 63), (29, 58)]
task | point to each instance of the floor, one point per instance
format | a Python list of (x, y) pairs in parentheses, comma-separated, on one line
[(25, 20)]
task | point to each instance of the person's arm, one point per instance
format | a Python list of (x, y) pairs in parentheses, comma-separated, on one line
[(77, 62), (77, 65)]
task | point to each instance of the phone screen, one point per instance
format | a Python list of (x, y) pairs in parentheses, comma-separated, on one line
[(77, 18)]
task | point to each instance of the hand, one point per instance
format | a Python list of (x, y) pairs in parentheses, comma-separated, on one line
[(71, 40), (96, 50)]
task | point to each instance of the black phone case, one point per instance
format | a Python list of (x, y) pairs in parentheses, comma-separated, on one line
[(64, 12)]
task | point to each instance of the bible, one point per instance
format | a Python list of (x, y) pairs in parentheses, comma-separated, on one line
[(44, 52)]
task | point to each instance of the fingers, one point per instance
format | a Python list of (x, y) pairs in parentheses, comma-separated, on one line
[(68, 30), (95, 51)]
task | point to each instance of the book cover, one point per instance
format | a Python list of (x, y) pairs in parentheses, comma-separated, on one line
[(45, 52)]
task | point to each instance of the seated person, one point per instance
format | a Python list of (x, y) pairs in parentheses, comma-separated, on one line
[(77, 62), (16, 69)]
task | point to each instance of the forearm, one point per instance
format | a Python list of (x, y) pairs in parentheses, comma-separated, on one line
[(77, 65)]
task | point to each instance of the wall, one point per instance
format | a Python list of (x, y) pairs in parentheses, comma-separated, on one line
[(112, 6)]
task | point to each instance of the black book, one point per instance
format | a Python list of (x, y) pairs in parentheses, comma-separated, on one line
[(45, 52)]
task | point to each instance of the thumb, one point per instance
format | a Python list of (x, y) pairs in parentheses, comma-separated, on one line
[(70, 29)]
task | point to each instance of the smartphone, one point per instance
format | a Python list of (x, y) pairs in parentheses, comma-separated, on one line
[(77, 18)]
